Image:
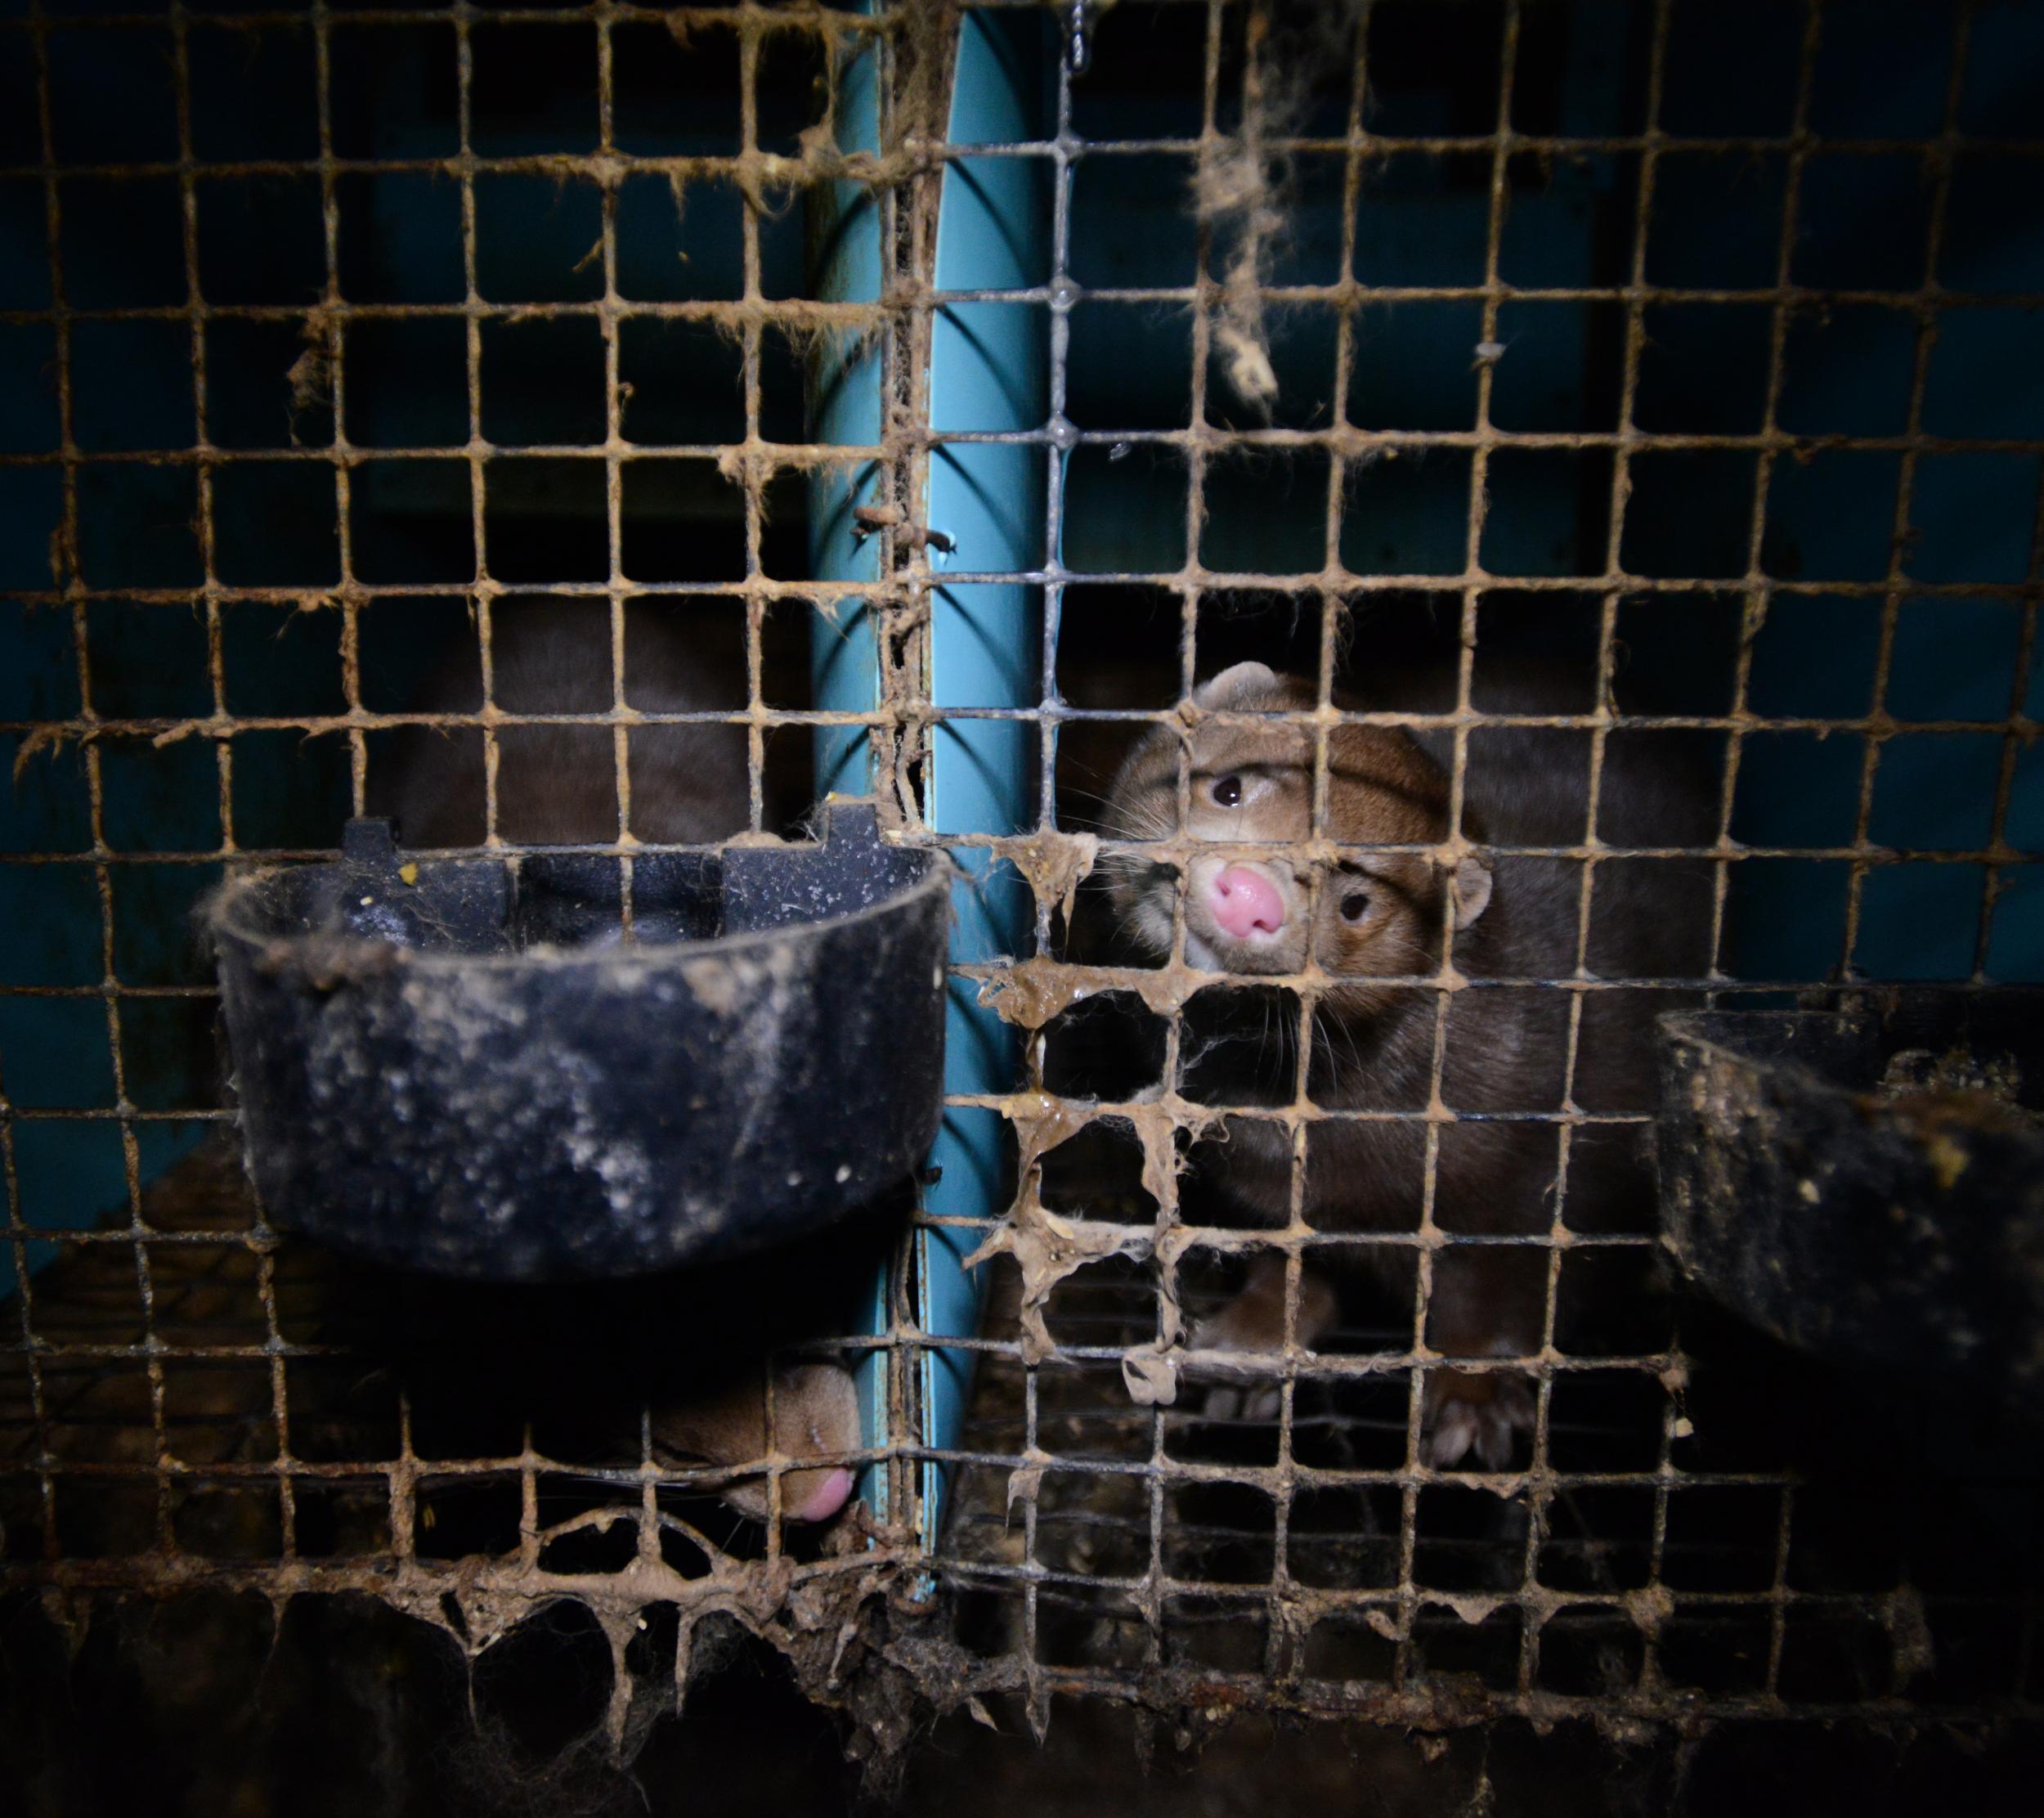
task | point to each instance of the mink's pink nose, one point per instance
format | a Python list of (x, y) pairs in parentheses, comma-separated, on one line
[(1245, 902), (829, 1495)]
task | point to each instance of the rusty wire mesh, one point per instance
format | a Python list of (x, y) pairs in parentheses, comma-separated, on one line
[(1160, 1554), (172, 1412), (178, 1402)]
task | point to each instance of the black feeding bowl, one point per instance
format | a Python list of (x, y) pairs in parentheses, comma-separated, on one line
[(467, 1067), (1867, 1185)]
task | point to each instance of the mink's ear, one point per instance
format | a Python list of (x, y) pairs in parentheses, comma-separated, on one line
[(1228, 687), (1473, 889)]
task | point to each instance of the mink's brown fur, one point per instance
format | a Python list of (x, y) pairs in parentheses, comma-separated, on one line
[(556, 780)]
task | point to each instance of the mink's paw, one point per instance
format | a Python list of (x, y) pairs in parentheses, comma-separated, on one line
[(1257, 1403), (1253, 1324), (1243, 1326), (1469, 1412)]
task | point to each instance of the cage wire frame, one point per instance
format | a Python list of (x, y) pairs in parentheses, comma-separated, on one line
[(1408, 1693), (508, 1588), (1030, 991)]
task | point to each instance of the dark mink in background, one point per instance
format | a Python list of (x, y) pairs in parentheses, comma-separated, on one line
[(557, 784)]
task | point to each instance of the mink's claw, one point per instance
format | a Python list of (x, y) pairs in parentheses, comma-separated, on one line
[(1470, 1413)]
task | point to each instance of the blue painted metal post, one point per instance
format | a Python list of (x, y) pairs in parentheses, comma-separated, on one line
[(986, 373)]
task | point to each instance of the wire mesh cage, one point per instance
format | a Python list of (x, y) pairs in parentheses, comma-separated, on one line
[(1548, 488)]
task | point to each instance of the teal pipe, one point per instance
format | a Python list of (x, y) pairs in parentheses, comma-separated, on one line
[(986, 373)]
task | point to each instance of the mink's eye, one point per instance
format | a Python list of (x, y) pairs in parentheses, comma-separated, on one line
[(1355, 905), (1227, 791)]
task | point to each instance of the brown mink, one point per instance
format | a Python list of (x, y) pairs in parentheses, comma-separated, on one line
[(1262, 897), (556, 780)]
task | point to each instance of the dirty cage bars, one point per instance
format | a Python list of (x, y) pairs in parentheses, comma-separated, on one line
[(1399, 1606), (317, 384), (1159, 1667)]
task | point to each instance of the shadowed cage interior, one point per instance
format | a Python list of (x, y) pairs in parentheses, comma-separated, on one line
[(1684, 353)]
